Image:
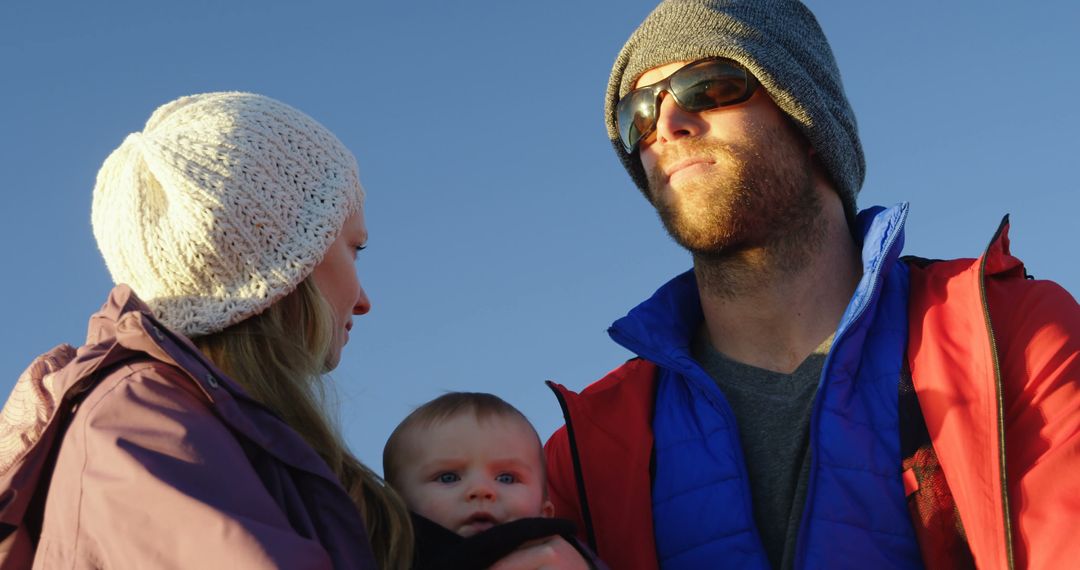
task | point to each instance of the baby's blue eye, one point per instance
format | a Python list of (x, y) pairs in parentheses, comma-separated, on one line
[(447, 477), (505, 478)]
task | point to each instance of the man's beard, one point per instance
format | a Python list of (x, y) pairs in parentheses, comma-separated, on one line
[(758, 195)]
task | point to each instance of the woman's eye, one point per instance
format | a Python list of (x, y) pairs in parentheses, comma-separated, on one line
[(505, 478), (447, 478)]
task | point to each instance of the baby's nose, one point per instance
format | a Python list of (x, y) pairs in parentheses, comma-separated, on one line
[(481, 491)]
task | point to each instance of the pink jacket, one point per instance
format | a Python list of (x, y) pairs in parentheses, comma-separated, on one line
[(168, 464)]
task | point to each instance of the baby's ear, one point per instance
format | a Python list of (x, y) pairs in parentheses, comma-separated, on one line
[(548, 510)]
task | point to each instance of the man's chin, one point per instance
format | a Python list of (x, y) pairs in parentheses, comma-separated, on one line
[(710, 241)]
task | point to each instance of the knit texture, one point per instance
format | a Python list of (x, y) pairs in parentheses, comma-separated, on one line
[(222, 205), (781, 43)]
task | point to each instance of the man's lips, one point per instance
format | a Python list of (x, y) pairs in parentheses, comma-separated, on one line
[(686, 163)]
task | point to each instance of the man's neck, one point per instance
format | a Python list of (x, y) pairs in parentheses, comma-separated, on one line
[(765, 309)]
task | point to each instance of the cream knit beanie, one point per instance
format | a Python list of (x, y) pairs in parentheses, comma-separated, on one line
[(221, 206)]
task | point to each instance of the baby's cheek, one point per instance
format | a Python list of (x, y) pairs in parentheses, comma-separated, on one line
[(530, 504), (434, 508)]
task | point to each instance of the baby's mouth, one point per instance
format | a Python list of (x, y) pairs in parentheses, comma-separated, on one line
[(476, 523)]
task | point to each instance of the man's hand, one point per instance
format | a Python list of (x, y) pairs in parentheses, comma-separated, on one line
[(547, 554)]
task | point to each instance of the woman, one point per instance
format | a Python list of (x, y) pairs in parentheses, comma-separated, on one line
[(233, 222), (190, 431)]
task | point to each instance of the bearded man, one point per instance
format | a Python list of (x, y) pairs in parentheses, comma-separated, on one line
[(804, 397)]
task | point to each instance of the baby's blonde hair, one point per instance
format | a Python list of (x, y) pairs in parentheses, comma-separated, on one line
[(482, 405)]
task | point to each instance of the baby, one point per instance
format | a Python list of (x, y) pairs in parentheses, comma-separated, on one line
[(470, 463)]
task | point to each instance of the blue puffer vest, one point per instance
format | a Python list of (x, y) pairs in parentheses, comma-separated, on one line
[(855, 513)]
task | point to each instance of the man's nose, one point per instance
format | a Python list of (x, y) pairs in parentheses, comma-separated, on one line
[(673, 122)]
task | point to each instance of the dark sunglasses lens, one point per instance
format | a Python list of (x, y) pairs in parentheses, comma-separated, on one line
[(708, 85), (637, 116), (700, 86)]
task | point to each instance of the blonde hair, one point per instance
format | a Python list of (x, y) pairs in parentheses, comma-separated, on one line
[(279, 356)]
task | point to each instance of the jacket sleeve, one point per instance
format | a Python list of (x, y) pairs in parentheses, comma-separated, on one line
[(562, 484), (1036, 326), (148, 477)]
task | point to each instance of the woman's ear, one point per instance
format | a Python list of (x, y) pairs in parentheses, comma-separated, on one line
[(548, 510)]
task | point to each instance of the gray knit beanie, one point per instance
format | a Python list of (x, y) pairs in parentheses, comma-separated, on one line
[(222, 205), (781, 43)]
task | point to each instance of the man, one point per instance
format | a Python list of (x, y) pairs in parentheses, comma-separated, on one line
[(771, 419)]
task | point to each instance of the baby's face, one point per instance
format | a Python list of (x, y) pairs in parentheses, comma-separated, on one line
[(469, 475)]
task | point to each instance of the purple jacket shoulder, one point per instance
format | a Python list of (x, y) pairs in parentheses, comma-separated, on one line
[(167, 463)]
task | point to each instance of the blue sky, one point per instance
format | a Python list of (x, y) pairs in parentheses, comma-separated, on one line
[(505, 236)]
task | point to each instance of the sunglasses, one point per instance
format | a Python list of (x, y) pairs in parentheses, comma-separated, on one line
[(698, 86)]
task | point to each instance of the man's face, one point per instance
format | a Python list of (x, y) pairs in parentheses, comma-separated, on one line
[(727, 178), (469, 475)]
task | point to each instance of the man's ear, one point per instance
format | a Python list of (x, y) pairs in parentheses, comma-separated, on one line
[(548, 510)]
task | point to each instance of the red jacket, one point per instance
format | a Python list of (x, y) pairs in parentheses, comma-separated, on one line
[(995, 360)]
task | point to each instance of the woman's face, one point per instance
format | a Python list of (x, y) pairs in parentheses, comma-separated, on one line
[(335, 277)]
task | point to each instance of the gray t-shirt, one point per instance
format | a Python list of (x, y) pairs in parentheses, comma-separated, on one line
[(772, 411)]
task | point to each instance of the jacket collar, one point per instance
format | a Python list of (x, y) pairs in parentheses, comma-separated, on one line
[(661, 328), (125, 327)]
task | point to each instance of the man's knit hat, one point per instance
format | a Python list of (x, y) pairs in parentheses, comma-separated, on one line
[(221, 206), (781, 43)]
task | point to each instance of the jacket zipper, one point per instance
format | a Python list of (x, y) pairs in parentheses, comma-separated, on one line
[(800, 546), (999, 389), (579, 478)]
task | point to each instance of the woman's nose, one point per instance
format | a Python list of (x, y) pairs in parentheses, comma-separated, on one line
[(363, 304)]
